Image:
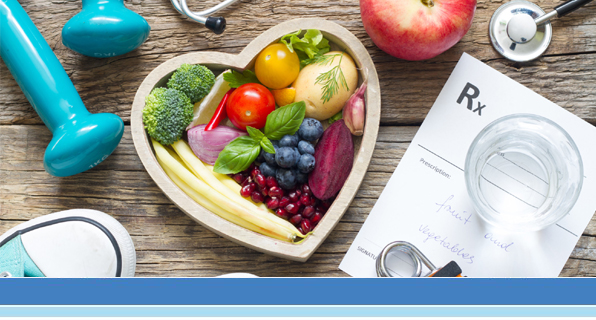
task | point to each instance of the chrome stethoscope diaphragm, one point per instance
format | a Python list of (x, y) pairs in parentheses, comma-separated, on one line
[(521, 31), (511, 36)]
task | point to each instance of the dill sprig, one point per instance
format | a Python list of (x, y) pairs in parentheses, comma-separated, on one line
[(331, 80)]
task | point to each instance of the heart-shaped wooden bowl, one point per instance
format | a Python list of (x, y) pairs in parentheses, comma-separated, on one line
[(342, 39)]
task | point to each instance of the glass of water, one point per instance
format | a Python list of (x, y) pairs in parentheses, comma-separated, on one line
[(523, 172)]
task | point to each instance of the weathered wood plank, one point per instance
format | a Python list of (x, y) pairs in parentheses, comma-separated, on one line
[(168, 242), (565, 75)]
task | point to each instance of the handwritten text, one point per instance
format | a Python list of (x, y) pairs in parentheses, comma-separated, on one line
[(505, 246), (455, 248), (460, 216)]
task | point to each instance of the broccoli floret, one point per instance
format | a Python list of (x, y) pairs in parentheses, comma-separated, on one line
[(194, 80), (166, 114)]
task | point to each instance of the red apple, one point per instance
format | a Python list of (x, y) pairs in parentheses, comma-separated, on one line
[(416, 29)]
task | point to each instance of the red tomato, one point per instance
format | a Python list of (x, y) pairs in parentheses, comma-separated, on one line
[(249, 105)]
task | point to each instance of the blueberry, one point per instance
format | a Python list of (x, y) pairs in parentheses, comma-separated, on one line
[(270, 157), (286, 157), (261, 157), (301, 177), (285, 178), (305, 147), (310, 129), (267, 169), (306, 163), (275, 143), (288, 141)]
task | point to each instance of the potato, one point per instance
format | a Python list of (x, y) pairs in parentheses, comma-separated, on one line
[(311, 93)]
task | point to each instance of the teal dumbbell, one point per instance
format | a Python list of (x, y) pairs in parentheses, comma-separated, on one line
[(81, 139), (105, 28)]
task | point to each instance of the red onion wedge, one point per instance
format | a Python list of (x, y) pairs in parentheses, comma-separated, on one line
[(208, 144)]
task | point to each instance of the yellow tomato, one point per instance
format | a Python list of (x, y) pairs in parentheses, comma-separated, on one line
[(276, 67)]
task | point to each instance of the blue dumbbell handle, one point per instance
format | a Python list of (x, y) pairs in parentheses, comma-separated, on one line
[(36, 69), (81, 140)]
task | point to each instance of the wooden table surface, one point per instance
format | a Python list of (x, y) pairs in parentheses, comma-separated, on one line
[(169, 243)]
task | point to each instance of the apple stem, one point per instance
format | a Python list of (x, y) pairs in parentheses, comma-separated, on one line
[(428, 3)]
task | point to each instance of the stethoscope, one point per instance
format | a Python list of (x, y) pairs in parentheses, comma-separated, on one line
[(521, 31), (216, 24)]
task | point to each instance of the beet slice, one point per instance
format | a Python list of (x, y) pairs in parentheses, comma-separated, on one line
[(334, 157)]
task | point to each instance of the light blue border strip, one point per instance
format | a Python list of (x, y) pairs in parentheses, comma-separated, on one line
[(294, 311)]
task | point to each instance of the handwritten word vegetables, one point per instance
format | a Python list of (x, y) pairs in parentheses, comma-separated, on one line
[(334, 156), (326, 84)]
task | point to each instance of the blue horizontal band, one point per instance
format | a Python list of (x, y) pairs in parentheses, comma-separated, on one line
[(364, 312), (298, 291)]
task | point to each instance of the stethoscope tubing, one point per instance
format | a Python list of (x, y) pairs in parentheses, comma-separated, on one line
[(201, 17)]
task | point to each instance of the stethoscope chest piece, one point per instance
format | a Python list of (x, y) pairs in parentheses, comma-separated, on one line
[(514, 34)]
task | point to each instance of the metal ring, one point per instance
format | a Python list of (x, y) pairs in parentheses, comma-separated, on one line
[(417, 257)]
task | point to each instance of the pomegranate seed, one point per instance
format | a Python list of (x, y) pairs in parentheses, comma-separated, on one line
[(298, 204), (272, 203), (305, 188), (301, 231), (276, 192), (271, 182), (246, 191), (238, 177), (306, 226), (293, 196), (295, 219), (250, 168), (284, 201), (316, 218), (326, 203), (257, 197), (282, 213), (255, 172), (320, 208), (260, 180), (308, 211), (305, 199), (292, 208), (264, 191), (253, 185)]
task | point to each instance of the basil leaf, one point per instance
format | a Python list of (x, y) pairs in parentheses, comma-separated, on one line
[(235, 79), (285, 120), (267, 145), (237, 155), (255, 133)]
